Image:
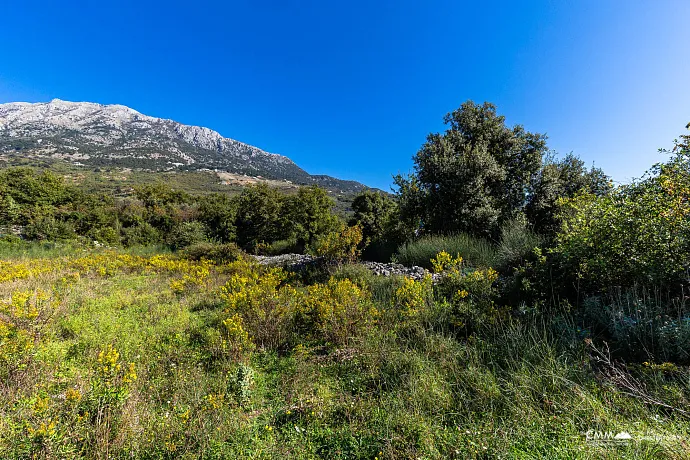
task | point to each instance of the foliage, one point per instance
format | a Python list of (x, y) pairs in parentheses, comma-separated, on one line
[(637, 234), (471, 294), (308, 215), (640, 325), (185, 234), (105, 359), (160, 195), (218, 213), (377, 214), (342, 246), (517, 244), (475, 251), (475, 176), (48, 228), (561, 179), (258, 216), (218, 253)]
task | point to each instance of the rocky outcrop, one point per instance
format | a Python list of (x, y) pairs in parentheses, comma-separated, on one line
[(115, 135)]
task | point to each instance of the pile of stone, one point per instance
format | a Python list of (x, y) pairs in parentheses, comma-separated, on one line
[(285, 260), (297, 261)]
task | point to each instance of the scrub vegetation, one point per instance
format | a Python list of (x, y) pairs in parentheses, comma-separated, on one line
[(557, 318)]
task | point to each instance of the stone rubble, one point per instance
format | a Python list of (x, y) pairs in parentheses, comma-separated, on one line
[(296, 261)]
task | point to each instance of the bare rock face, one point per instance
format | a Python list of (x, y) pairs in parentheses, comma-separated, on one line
[(115, 135)]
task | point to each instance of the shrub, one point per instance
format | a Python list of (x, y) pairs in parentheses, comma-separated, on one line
[(358, 274), (474, 251), (266, 307), (219, 253), (412, 299), (48, 228), (470, 293), (517, 244), (637, 235), (20, 320), (337, 311), (640, 325), (186, 234), (276, 248), (339, 247), (142, 234)]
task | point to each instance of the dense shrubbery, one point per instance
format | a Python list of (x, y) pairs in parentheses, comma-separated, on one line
[(43, 207)]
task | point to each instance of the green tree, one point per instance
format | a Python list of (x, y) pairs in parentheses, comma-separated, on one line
[(308, 215), (474, 177), (639, 234), (160, 195), (218, 213), (564, 178), (258, 218), (376, 213)]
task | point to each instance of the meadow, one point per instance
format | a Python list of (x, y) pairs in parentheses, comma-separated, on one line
[(148, 354), (554, 321)]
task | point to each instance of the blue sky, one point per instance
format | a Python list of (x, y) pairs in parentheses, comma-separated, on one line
[(352, 88)]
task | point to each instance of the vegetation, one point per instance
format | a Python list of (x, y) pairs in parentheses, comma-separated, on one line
[(555, 312)]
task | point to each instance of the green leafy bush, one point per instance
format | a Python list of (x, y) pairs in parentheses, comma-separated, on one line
[(471, 294), (186, 234), (141, 234), (48, 228), (219, 253), (339, 247), (637, 235)]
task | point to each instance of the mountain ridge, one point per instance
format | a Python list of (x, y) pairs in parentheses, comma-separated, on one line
[(92, 134)]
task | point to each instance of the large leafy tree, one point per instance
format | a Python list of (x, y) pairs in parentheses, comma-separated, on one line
[(474, 177), (373, 212), (218, 212)]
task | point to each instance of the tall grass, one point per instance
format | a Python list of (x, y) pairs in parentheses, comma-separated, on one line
[(475, 251), (517, 242)]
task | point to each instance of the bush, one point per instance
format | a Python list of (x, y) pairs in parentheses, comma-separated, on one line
[(338, 247), (637, 235), (517, 244), (48, 228), (219, 253), (471, 294), (641, 326), (337, 311), (276, 248), (142, 234), (186, 234), (358, 274), (475, 252)]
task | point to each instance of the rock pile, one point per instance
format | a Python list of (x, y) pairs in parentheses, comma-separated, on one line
[(296, 261)]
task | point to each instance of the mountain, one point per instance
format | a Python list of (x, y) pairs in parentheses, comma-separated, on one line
[(98, 135)]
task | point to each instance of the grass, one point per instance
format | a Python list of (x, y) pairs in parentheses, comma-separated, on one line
[(391, 388), (476, 252)]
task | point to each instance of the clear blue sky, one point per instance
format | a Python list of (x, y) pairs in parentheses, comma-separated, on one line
[(352, 88)]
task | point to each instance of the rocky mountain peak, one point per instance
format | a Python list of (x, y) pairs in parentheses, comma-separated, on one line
[(115, 135)]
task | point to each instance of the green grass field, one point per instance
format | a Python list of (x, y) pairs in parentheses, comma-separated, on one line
[(109, 354)]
